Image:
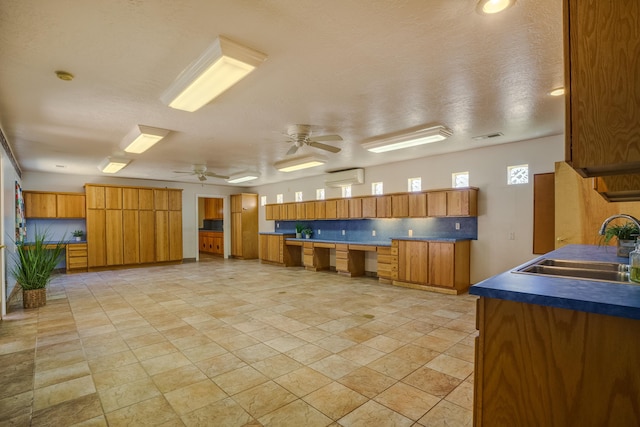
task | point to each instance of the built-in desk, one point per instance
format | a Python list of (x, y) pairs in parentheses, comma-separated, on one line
[(75, 255)]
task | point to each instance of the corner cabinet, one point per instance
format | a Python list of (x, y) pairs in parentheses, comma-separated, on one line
[(602, 47), (244, 226)]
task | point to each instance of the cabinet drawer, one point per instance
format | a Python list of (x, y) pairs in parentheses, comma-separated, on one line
[(342, 264), (342, 255), (78, 262)]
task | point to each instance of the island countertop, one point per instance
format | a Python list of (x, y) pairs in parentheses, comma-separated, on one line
[(609, 298)]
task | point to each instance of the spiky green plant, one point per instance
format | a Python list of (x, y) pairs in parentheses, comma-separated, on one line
[(35, 261), (626, 231)]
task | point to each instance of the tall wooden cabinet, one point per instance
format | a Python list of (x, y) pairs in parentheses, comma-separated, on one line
[(244, 226)]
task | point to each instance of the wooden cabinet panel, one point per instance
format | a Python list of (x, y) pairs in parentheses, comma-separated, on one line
[(413, 261), (160, 200), (331, 209), (269, 213), (236, 234), (342, 208), (462, 202), (355, 208), (131, 233), (213, 208), (383, 207), (441, 264), (175, 235), (369, 207), (603, 111), (76, 257), (236, 203), (288, 211), (399, 205), (96, 231), (174, 201), (300, 210), (39, 205), (244, 226), (310, 210), (417, 205), (145, 198), (147, 236), (95, 196), (113, 197), (70, 206), (437, 203), (162, 235), (114, 237), (321, 209), (130, 198)]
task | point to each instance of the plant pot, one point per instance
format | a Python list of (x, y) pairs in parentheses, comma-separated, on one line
[(78, 239), (34, 298), (625, 247), (298, 235), (307, 236)]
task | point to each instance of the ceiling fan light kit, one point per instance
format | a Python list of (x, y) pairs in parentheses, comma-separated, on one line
[(406, 139), (112, 164), (221, 65), (299, 163), (141, 138)]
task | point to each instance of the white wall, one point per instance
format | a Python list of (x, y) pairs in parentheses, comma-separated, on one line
[(502, 208), (36, 181), (7, 229)]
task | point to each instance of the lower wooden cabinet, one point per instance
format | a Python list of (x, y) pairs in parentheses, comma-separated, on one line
[(274, 250), (211, 242), (76, 257), (96, 228)]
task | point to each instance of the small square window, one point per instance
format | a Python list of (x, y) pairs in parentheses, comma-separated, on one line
[(263, 200), (279, 198), (517, 174), (320, 194), (298, 196), (346, 191), (376, 188), (415, 184), (460, 179)]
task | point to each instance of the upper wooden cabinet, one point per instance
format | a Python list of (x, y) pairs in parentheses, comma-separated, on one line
[(40, 204), (213, 208), (400, 205), (417, 204), (602, 47), (437, 203)]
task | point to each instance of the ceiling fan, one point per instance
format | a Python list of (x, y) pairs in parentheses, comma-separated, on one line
[(201, 172), (301, 135)]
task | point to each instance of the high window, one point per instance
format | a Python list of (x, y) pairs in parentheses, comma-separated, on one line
[(414, 184), (279, 198), (460, 179), (517, 174), (346, 191), (320, 194), (298, 196), (376, 188), (263, 200)]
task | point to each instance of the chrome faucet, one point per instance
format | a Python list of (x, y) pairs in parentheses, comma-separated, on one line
[(612, 217)]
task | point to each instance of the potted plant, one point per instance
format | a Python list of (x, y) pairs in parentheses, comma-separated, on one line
[(34, 263), (307, 231), (299, 228), (625, 234), (78, 235)]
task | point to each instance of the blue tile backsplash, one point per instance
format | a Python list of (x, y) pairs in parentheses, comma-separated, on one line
[(361, 229)]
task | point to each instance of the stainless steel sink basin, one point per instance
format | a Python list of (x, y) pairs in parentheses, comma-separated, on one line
[(584, 270)]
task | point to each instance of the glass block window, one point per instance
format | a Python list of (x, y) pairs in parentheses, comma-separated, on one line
[(346, 191), (263, 200), (415, 184), (517, 174), (376, 188), (460, 179), (320, 194), (298, 196), (279, 198)]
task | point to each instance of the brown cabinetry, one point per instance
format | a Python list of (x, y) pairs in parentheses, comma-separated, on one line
[(244, 226), (40, 204), (213, 208), (602, 48), (437, 203), (76, 257), (399, 205), (211, 242)]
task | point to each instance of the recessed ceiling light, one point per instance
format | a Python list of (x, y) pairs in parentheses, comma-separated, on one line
[(557, 91), (64, 75), (489, 7)]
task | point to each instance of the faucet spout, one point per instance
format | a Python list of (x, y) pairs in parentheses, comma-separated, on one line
[(612, 217)]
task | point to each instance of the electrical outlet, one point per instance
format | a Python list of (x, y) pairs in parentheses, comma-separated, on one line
[(457, 226), (319, 232), (373, 233), (344, 232), (277, 225), (410, 233)]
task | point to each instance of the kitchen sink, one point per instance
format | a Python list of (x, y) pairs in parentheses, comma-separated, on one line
[(584, 270)]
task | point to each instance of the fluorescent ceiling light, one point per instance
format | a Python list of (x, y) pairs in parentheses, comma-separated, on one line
[(243, 177), (406, 139), (489, 7), (141, 138), (112, 165), (299, 163), (222, 65)]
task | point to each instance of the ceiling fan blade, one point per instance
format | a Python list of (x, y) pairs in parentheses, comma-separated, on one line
[(215, 175), (292, 150), (325, 147), (202, 177), (326, 138)]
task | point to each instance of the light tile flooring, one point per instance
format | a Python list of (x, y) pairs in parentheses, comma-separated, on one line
[(237, 343)]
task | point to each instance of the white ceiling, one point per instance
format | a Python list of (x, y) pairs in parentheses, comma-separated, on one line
[(358, 68)]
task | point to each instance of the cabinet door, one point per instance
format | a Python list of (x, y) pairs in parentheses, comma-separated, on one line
[(321, 209), (39, 205), (70, 206), (147, 236), (131, 234), (413, 260), (399, 205), (96, 226), (236, 234), (355, 207), (300, 212), (113, 197), (369, 207), (162, 236), (331, 209), (160, 200), (275, 248), (383, 207), (310, 210), (462, 203), (437, 203), (145, 199), (174, 200), (417, 205), (95, 196), (342, 208), (213, 208), (175, 235), (130, 198), (113, 237), (441, 264), (268, 212), (236, 203)]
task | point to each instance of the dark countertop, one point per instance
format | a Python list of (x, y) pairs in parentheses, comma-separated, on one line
[(610, 298)]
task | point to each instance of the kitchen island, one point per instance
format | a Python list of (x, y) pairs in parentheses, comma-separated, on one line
[(558, 351)]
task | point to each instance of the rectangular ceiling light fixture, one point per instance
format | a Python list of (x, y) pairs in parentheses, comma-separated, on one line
[(220, 66), (141, 138), (243, 177), (299, 163), (407, 138), (112, 165)]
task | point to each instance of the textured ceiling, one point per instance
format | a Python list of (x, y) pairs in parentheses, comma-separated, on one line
[(357, 68)]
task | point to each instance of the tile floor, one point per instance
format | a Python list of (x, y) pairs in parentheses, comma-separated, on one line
[(236, 343)]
